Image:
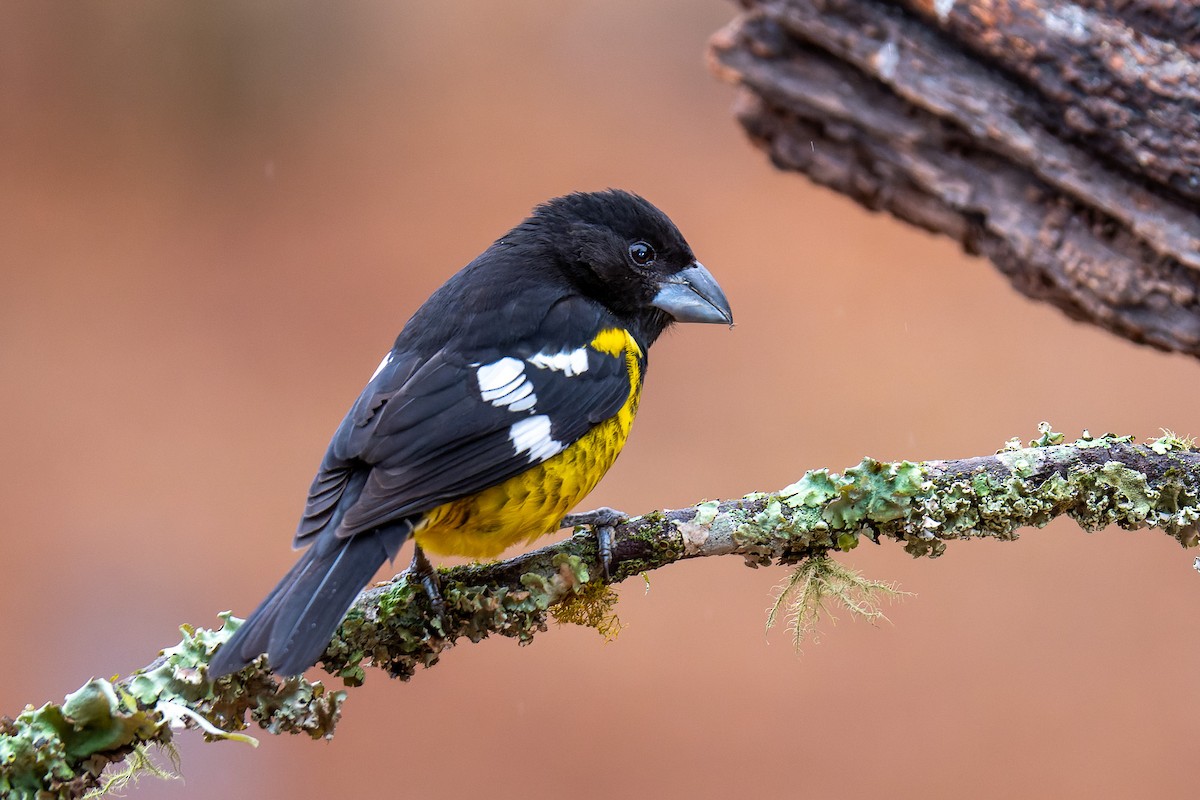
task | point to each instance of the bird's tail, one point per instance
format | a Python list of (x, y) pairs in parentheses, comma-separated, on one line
[(296, 621)]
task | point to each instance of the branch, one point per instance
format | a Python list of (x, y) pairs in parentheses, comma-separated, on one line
[(60, 750), (1060, 140)]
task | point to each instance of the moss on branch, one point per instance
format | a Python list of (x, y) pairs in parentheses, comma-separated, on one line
[(59, 750)]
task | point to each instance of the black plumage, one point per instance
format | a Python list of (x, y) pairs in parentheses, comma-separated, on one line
[(429, 429)]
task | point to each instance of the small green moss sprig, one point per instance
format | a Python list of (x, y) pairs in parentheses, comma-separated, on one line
[(592, 607)]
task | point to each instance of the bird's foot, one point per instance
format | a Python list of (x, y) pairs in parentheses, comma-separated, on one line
[(603, 522), (423, 571)]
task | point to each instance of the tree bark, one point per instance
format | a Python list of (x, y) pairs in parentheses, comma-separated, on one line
[(1061, 140)]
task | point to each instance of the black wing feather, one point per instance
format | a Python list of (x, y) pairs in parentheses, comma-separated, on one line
[(449, 450), (424, 435)]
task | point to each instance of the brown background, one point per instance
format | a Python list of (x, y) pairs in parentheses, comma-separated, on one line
[(216, 216)]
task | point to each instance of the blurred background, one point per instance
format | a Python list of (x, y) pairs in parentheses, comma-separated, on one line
[(215, 218)]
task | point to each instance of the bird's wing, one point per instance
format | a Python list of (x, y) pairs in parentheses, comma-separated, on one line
[(432, 430)]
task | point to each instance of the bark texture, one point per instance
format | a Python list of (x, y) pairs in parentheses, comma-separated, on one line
[(1061, 140)]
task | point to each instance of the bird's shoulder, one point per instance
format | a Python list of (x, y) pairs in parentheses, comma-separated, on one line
[(556, 357), (483, 407)]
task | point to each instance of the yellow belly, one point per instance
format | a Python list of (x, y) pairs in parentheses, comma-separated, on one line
[(531, 504)]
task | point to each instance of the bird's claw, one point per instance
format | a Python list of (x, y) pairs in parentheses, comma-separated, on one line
[(423, 571), (608, 517), (603, 522)]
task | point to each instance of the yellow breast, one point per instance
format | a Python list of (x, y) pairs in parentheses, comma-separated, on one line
[(531, 504)]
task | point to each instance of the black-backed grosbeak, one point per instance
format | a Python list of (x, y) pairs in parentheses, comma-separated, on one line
[(503, 402)]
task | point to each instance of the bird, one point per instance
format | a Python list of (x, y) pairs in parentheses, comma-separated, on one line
[(505, 398)]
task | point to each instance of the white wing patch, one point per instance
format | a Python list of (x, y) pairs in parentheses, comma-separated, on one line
[(532, 435), (499, 374), (569, 363), (503, 383)]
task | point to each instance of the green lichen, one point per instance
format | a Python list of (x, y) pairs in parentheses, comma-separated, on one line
[(815, 489), (1113, 495), (61, 750), (1106, 440), (765, 535), (1095, 496), (1021, 463), (864, 500), (924, 507), (404, 634), (706, 512), (49, 751), (872, 492), (1171, 442), (1048, 436), (659, 544), (178, 674), (179, 680)]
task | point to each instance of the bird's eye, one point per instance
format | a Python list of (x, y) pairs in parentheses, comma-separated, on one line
[(641, 253)]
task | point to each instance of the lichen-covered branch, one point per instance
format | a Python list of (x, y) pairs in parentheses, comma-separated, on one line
[(59, 750)]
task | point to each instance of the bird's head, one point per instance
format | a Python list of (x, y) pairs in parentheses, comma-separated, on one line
[(621, 251)]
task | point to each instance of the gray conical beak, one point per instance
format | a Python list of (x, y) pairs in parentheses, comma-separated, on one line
[(693, 295)]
